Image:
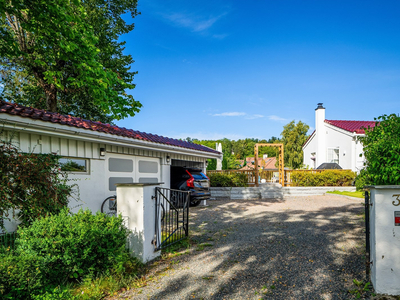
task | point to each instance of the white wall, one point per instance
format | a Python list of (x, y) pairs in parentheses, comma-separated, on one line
[(310, 147), (338, 139), (331, 137), (93, 186)]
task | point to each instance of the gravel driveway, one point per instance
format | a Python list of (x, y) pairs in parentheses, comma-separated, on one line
[(296, 248)]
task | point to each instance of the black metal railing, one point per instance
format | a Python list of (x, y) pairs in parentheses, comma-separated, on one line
[(172, 216)]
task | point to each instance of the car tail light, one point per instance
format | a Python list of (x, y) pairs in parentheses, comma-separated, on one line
[(190, 181)]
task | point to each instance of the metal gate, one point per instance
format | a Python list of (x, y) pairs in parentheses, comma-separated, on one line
[(172, 216)]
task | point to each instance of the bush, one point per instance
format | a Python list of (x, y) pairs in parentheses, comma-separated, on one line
[(324, 178), (75, 245), (61, 248), (382, 151), (21, 275), (361, 180), (31, 183), (228, 180)]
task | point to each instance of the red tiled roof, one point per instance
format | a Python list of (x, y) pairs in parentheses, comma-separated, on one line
[(38, 114), (352, 126)]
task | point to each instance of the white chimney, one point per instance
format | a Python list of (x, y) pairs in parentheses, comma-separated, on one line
[(320, 134)]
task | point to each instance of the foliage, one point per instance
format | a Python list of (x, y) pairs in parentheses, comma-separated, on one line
[(382, 151), (293, 137), (65, 56), (323, 178), (360, 180), (76, 245), (228, 180), (31, 183), (235, 150), (21, 275), (357, 194), (64, 248), (212, 164)]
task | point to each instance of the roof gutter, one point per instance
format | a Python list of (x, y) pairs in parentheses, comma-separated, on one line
[(38, 126)]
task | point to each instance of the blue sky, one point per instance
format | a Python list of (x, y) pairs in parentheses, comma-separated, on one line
[(237, 69)]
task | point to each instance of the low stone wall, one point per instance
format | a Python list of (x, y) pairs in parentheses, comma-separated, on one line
[(265, 191), (247, 193), (314, 190)]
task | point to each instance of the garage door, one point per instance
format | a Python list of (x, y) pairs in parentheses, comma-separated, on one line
[(129, 169)]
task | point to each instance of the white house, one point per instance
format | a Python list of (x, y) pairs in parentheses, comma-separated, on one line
[(335, 141), (105, 154)]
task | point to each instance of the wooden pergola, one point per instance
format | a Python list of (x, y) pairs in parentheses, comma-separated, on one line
[(280, 160)]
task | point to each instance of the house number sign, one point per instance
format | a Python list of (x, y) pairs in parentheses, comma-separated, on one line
[(397, 201)]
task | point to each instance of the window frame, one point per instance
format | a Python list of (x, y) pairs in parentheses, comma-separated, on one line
[(87, 164)]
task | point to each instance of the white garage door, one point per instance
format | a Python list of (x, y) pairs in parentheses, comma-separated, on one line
[(129, 169)]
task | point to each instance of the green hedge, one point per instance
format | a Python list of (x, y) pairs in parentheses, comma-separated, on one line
[(61, 248), (324, 178), (228, 180)]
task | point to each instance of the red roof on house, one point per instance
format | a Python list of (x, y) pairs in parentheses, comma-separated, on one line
[(352, 126), (38, 114)]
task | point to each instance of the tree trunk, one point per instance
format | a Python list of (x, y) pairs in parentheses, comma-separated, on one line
[(51, 98)]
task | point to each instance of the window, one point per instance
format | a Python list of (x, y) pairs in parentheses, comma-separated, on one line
[(333, 155), (76, 165)]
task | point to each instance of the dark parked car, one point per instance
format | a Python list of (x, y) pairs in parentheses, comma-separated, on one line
[(193, 180)]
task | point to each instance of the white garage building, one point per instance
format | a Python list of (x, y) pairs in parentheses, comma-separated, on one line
[(104, 154)]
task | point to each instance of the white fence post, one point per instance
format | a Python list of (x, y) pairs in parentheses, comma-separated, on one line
[(385, 238), (136, 204)]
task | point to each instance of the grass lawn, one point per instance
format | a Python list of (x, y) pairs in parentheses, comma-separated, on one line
[(357, 194)]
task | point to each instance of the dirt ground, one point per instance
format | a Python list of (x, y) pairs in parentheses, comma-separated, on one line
[(296, 248)]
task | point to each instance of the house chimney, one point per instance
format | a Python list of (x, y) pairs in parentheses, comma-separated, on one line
[(320, 134)]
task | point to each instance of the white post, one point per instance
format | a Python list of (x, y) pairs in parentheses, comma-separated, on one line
[(218, 147), (136, 205), (385, 238)]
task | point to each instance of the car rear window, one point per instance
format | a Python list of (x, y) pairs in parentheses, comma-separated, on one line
[(198, 176)]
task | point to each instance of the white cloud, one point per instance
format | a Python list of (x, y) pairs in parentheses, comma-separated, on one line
[(195, 23), (252, 117), (208, 136), (276, 118), (230, 114)]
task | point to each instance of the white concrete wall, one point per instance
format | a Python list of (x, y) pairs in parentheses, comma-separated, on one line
[(137, 207), (385, 239)]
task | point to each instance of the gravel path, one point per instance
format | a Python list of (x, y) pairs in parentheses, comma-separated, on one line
[(296, 248)]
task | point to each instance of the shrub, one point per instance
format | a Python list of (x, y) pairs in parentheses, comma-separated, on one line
[(21, 275), (60, 248), (382, 151), (361, 180), (32, 183), (228, 180), (324, 178), (75, 245)]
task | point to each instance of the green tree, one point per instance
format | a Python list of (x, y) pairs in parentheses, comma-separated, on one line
[(382, 152), (293, 138), (65, 56)]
